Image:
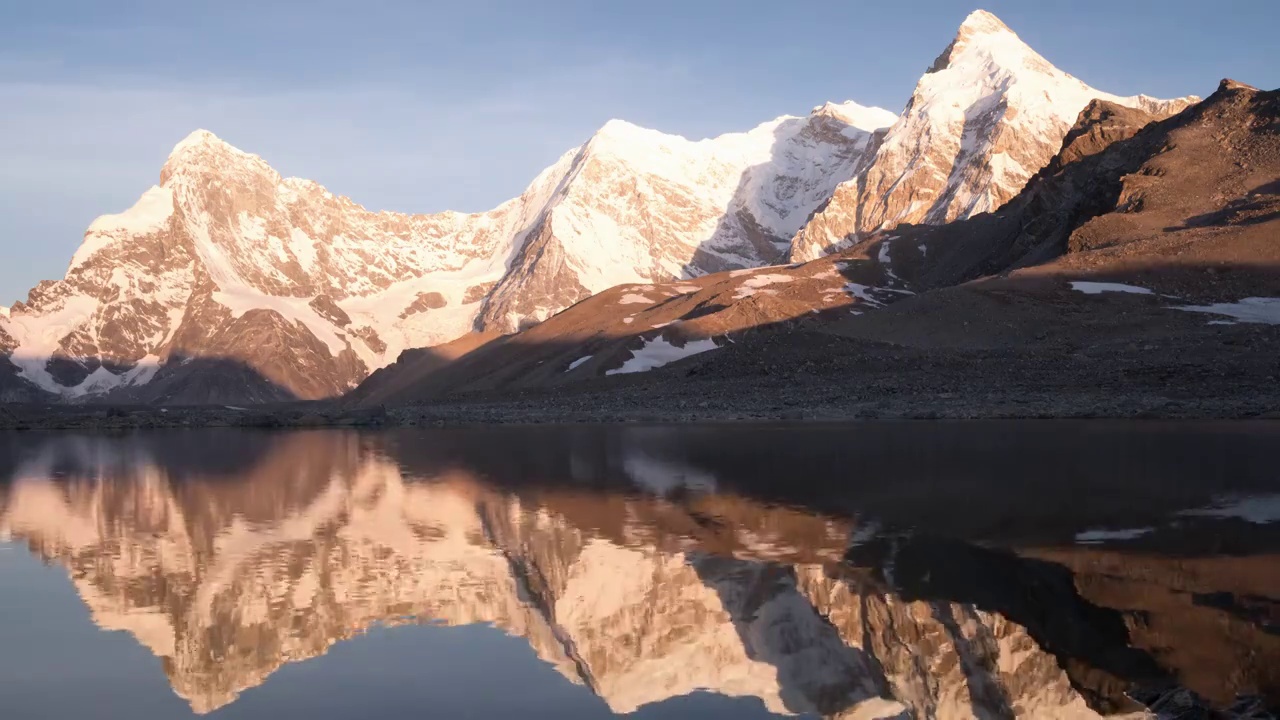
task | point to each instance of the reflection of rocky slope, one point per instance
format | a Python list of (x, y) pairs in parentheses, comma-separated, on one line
[(640, 597)]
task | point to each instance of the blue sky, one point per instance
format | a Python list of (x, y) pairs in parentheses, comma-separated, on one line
[(426, 106)]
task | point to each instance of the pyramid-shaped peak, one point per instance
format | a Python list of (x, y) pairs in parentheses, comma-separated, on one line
[(198, 139), (981, 21), (202, 151), (984, 39)]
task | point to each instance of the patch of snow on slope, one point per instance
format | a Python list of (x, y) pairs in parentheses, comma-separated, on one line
[(577, 363), (1259, 509), (1263, 310), (757, 282), (303, 248), (886, 261), (635, 299), (293, 309), (864, 292), (1094, 537), (1097, 288), (658, 352)]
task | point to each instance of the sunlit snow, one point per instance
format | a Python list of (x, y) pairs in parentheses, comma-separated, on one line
[(752, 285)]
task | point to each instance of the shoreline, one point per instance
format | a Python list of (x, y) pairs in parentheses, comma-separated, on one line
[(611, 410)]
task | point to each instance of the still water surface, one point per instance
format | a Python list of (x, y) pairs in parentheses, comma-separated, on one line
[(962, 570)]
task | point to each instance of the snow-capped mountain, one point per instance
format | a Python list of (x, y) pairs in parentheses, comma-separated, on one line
[(986, 116), (227, 282)]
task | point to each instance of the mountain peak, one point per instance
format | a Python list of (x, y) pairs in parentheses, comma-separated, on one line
[(981, 21), (198, 139), (985, 38), (202, 150)]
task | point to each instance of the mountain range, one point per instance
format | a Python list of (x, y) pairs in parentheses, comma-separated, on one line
[(228, 283)]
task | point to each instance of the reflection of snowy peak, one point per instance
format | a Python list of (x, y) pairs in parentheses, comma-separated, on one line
[(988, 115), (227, 281), (228, 579)]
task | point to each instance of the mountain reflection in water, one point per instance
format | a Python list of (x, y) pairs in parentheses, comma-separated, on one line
[(876, 571)]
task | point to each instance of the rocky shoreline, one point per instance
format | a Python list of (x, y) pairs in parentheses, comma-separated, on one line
[(547, 409)]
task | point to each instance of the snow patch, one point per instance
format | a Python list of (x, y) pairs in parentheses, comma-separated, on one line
[(578, 363), (294, 310), (863, 292), (658, 352), (1262, 310), (1094, 537), (1259, 509), (635, 299), (754, 284), (1097, 288), (303, 249)]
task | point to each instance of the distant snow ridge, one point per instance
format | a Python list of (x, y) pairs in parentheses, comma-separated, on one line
[(988, 115)]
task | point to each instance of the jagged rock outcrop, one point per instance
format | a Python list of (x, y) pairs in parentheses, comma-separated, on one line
[(987, 116)]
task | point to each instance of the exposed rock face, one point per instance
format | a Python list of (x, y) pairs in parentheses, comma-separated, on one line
[(277, 280), (988, 115), (229, 570)]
